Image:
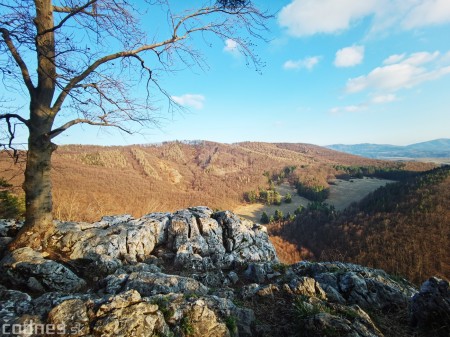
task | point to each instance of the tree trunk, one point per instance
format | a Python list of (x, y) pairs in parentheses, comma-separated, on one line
[(37, 185)]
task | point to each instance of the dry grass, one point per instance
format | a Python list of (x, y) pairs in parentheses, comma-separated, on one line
[(342, 194), (91, 181)]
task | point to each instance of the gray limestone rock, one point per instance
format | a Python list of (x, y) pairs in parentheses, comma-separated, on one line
[(13, 304), (125, 314), (319, 318), (198, 238), (29, 269), (134, 269), (149, 284), (9, 227), (353, 284), (307, 286), (430, 308), (72, 315)]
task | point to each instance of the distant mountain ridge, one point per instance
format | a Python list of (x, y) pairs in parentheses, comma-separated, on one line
[(438, 148)]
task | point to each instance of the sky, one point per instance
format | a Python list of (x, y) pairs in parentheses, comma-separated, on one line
[(336, 71)]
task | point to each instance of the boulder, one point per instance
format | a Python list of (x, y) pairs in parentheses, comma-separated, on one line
[(325, 324), (126, 314), (8, 230), (120, 237), (13, 304), (200, 320), (149, 284), (348, 283), (244, 241), (307, 286), (28, 269), (72, 315), (195, 315), (319, 318), (430, 308), (9, 227)]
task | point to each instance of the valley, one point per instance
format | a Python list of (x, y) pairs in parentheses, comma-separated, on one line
[(342, 194), (90, 182)]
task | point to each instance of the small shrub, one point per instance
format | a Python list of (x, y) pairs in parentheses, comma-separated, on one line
[(288, 198), (299, 210), (278, 215), (11, 206), (163, 306), (305, 309), (189, 296), (231, 324), (280, 267), (186, 326), (264, 218)]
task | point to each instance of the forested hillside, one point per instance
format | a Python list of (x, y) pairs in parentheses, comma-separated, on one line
[(92, 181), (403, 228)]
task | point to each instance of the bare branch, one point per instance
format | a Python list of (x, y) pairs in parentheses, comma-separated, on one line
[(91, 68), (72, 12), (20, 62), (64, 127), (77, 9), (12, 133), (82, 66), (20, 118)]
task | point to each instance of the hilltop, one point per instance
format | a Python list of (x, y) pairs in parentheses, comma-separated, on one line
[(434, 149), (90, 181)]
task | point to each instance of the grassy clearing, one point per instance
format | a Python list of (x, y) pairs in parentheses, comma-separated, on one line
[(342, 194)]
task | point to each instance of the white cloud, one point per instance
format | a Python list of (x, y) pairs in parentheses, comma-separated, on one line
[(306, 63), (309, 17), (190, 100), (406, 73), (421, 58), (428, 12), (231, 46), (349, 56), (377, 99), (349, 108), (381, 99), (394, 58)]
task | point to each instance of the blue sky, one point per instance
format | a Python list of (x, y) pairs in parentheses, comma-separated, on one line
[(337, 71)]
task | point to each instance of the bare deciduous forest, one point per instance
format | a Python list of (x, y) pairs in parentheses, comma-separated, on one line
[(403, 228), (93, 181)]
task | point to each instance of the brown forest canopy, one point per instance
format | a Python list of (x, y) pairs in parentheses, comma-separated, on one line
[(92, 181)]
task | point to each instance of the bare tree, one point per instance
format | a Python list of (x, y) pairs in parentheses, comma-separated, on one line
[(89, 56)]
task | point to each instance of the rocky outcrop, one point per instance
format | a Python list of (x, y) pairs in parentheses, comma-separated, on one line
[(148, 284), (196, 272), (28, 269), (430, 308), (8, 230), (194, 238), (347, 283)]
